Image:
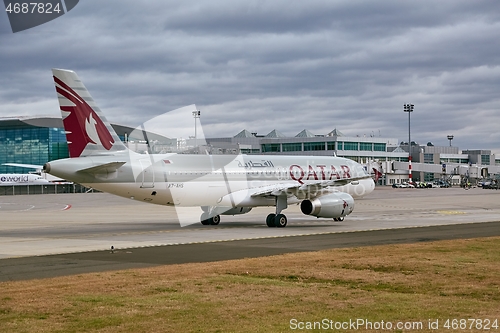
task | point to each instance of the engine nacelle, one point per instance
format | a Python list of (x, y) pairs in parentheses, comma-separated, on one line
[(333, 205)]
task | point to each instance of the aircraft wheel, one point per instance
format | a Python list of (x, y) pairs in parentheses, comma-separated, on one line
[(270, 220), (280, 221), (215, 220), (205, 220), (340, 219)]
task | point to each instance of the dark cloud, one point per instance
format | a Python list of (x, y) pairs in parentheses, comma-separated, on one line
[(262, 65)]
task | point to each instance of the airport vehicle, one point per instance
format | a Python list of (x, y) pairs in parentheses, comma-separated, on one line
[(9, 179), (219, 184), (440, 183)]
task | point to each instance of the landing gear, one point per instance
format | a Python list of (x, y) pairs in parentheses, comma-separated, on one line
[(278, 220), (206, 220), (270, 220), (215, 220), (338, 219)]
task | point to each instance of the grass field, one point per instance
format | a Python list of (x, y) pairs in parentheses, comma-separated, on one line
[(381, 285)]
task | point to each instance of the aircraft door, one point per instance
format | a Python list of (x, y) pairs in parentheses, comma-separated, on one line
[(148, 174)]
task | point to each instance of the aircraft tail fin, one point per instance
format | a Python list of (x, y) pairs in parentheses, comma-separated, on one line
[(377, 170), (87, 130)]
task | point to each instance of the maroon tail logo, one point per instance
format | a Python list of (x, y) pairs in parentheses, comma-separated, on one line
[(82, 125)]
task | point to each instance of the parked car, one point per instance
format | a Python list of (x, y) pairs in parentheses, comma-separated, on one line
[(423, 185), (440, 183), (493, 184), (402, 185)]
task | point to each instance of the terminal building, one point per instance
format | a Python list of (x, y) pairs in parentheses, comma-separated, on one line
[(37, 140), (429, 162)]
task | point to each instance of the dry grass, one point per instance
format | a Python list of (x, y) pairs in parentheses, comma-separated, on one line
[(439, 280)]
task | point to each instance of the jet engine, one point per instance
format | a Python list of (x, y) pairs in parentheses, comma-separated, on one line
[(335, 205)]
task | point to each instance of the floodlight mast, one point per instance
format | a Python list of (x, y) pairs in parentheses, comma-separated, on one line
[(409, 108), (450, 137)]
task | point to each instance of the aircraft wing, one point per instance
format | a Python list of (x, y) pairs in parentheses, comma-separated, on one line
[(29, 166), (296, 188)]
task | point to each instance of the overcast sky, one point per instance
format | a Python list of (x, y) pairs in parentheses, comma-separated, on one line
[(275, 64)]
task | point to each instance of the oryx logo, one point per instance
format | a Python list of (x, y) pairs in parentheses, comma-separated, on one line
[(83, 125), (345, 205), (26, 14)]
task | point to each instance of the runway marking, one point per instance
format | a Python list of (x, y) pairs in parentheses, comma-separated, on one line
[(450, 212), (30, 207), (22, 207)]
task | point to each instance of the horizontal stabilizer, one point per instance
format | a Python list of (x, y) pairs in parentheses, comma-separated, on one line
[(103, 168)]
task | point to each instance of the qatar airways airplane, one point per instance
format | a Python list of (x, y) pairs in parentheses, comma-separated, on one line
[(219, 184)]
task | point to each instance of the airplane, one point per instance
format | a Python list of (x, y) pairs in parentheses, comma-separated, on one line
[(38, 171), (9, 179), (324, 186)]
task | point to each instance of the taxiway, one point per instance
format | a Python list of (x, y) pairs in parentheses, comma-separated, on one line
[(50, 235)]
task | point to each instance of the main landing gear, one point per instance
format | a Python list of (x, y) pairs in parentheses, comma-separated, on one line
[(206, 220), (278, 220), (274, 220)]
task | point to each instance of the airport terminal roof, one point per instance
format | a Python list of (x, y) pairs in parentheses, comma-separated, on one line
[(275, 134), (305, 134), (335, 132), (23, 121), (244, 134), (56, 122)]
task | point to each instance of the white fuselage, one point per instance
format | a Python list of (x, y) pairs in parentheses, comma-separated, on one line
[(213, 180)]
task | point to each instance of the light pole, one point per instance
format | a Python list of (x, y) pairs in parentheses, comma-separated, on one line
[(450, 137), (196, 115), (409, 108)]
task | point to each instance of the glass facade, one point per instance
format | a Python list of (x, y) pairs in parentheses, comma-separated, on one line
[(30, 145), (366, 146), (379, 146), (485, 159), (250, 151), (351, 146), (292, 146), (270, 147), (311, 146), (428, 158)]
